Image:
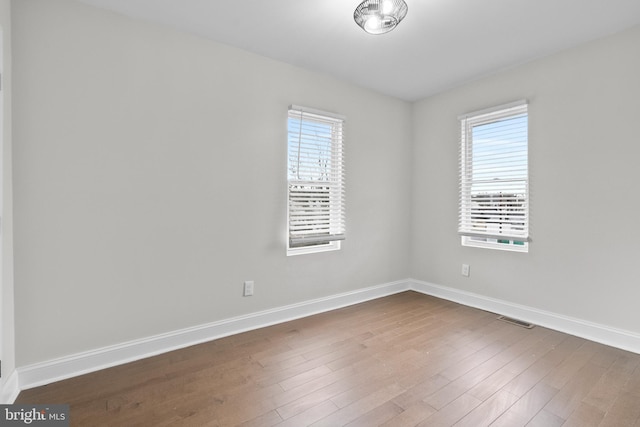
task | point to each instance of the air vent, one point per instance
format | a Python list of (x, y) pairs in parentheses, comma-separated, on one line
[(515, 322)]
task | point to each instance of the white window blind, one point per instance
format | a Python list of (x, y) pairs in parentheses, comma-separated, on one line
[(494, 175), (316, 177)]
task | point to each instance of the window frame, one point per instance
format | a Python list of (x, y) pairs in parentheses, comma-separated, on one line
[(331, 177), (518, 238)]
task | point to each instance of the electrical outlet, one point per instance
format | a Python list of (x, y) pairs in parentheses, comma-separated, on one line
[(465, 270), (248, 288)]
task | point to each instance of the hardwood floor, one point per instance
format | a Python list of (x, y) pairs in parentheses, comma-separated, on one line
[(403, 360)]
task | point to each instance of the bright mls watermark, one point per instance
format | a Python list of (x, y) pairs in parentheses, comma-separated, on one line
[(34, 415)]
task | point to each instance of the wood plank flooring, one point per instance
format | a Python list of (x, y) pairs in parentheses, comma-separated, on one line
[(403, 360)]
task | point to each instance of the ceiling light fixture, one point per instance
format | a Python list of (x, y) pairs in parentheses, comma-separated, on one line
[(380, 16)]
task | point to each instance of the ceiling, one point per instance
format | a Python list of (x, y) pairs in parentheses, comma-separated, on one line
[(439, 45)]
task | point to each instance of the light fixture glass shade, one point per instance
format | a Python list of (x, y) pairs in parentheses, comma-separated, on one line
[(380, 16)]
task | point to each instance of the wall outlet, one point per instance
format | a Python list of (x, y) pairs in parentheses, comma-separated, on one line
[(465, 270), (248, 288)]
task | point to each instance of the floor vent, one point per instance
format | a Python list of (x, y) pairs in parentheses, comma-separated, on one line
[(515, 322)]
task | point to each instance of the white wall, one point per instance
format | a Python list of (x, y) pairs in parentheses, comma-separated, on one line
[(150, 181), (584, 149), (6, 288)]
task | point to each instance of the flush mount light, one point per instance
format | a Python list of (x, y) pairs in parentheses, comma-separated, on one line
[(380, 16)]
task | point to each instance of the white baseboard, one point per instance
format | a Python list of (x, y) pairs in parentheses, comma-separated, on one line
[(619, 338), (10, 389), (94, 360)]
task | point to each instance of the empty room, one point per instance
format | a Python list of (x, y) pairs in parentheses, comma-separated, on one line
[(329, 213)]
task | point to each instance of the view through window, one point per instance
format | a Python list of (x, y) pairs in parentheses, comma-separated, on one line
[(315, 181), (494, 184)]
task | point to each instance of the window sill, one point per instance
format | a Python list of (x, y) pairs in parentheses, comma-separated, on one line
[(495, 246), (333, 246)]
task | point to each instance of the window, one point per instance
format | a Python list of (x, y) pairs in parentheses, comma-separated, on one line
[(315, 180), (494, 178)]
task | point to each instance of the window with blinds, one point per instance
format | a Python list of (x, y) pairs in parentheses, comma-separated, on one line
[(494, 178), (316, 214)]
